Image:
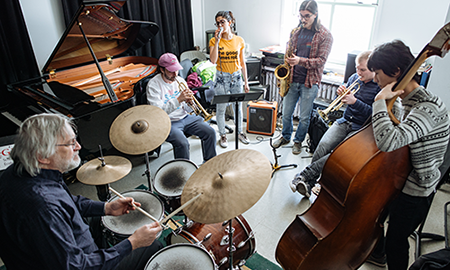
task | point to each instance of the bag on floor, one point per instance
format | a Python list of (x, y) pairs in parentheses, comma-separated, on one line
[(317, 127), (433, 261)]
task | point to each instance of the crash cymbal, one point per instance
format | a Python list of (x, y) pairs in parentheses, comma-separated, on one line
[(94, 173), (230, 184), (140, 129)]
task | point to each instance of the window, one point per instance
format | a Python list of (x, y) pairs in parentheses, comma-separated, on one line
[(351, 23)]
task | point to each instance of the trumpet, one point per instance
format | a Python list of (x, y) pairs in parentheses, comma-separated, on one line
[(337, 103), (196, 107)]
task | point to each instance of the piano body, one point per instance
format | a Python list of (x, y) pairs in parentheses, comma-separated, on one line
[(73, 85)]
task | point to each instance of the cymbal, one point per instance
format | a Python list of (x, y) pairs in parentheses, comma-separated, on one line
[(140, 129), (93, 173), (230, 184)]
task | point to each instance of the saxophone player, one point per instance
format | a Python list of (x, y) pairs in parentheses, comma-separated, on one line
[(164, 91), (310, 45)]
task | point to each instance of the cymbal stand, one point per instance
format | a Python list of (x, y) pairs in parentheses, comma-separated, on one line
[(231, 248), (147, 172), (276, 167), (103, 192)]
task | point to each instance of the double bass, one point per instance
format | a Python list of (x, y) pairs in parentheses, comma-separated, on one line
[(341, 228)]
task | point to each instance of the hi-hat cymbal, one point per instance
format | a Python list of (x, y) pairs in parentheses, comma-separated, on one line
[(94, 173), (140, 129), (230, 184)]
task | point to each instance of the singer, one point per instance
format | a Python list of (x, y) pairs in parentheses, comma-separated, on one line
[(227, 51), (311, 44)]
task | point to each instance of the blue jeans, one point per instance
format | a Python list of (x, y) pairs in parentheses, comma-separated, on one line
[(227, 83), (192, 125), (306, 95), (332, 138)]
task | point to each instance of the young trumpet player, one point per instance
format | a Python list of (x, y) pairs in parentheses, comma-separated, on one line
[(169, 92), (359, 109)]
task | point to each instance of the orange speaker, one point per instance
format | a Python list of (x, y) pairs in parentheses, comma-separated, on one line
[(261, 117)]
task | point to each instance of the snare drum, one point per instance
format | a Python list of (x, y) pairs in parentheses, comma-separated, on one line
[(170, 180), (218, 244), (181, 256), (118, 228)]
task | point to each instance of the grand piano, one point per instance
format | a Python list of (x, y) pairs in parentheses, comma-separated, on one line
[(85, 79)]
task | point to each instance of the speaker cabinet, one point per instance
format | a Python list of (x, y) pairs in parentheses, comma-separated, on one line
[(253, 70), (262, 117)]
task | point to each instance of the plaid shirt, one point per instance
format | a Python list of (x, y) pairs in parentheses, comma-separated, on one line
[(320, 49)]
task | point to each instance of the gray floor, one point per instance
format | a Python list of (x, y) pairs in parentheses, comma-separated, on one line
[(276, 209)]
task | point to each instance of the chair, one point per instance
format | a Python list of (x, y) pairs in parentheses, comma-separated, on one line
[(194, 55)]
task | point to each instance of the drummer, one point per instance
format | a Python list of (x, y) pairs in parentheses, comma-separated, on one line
[(43, 226), (164, 91)]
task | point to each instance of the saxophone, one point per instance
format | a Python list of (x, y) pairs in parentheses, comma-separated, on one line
[(282, 72)]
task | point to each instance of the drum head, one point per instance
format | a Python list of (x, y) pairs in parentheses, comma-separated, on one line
[(127, 224), (172, 176), (181, 256)]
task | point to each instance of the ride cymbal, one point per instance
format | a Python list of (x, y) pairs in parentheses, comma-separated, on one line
[(140, 129), (94, 172), (230, 184)]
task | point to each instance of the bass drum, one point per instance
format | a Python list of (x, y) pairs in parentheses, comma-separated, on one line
[(170, 180), (217, 244), (181, 256), (118, 228)]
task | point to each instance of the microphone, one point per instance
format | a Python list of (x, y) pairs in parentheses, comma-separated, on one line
[(220, 32)]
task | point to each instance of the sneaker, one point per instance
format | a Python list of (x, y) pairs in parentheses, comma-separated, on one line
[(243, 138), (223, 142), (378, 261), (281, 141), (299, 185), (297, 148)]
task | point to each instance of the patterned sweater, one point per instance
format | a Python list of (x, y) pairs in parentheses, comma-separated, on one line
[(425, 128)]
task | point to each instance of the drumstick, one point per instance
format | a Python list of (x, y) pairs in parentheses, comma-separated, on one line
[(179, 209), (137, 207)]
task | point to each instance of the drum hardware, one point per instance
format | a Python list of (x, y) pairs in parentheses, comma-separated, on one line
[(251, 236), (131, 134), (206, 238)]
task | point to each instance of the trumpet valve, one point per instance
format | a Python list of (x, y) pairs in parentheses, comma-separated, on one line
[(323, 114)]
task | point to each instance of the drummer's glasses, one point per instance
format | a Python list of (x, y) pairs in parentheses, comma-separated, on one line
[(73, 144)]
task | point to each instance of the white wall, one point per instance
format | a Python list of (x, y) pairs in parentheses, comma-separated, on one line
[(45, 23), (257, 21)]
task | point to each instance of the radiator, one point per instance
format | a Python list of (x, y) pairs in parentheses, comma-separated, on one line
[(327, 89)]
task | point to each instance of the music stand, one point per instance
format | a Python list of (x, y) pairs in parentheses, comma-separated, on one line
[(239, 97)]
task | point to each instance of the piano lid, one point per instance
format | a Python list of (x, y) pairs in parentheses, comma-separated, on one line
[(108, 36)]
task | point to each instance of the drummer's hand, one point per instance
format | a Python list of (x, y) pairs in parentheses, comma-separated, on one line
[(145, 235), (120, 206)]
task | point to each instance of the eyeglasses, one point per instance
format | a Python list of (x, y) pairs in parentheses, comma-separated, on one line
[(73, 145), (221, 22), (307, 16)]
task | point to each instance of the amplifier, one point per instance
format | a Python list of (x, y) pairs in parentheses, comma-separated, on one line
[(261, 117)]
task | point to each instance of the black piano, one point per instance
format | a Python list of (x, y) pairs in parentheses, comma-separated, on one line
[(87, 77)]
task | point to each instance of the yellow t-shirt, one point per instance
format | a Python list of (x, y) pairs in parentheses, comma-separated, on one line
[(229, 53)]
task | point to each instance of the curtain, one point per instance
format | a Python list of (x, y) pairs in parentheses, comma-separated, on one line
[(173, 17), (17, 57)]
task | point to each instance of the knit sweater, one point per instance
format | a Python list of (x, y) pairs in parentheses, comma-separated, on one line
[(424, 127)]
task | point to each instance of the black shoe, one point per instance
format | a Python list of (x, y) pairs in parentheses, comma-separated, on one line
[(378, 261)]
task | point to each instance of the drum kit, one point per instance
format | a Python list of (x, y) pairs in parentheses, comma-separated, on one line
[(211, 197)]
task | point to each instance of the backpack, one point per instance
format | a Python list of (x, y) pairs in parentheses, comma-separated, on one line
[(317, 127), (433, 261)]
